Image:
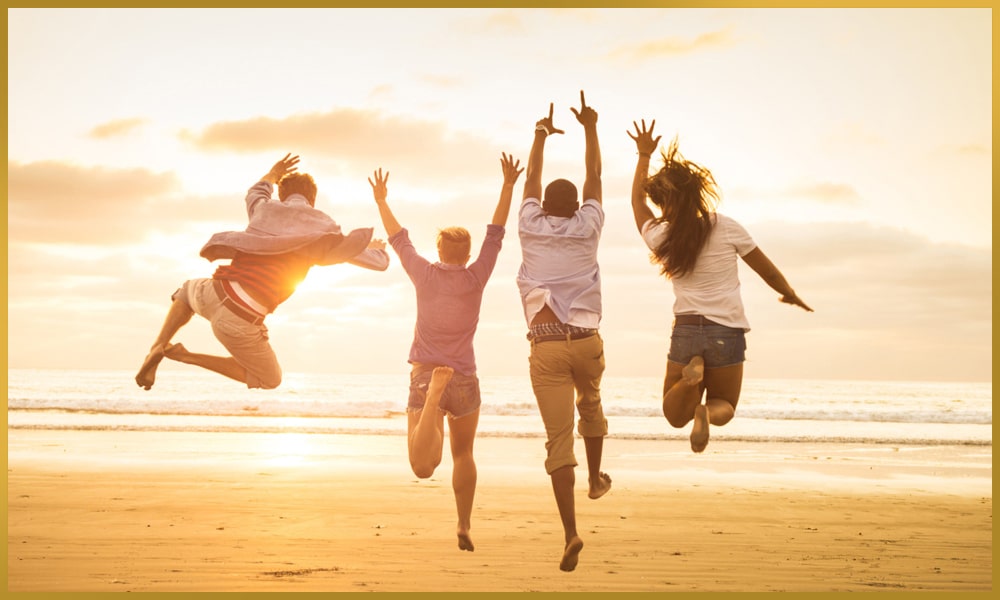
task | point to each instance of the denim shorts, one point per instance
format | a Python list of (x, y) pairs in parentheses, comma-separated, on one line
[(719, 345), (460, 398)]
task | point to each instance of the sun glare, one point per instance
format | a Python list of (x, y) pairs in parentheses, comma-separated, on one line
[(290, 449)]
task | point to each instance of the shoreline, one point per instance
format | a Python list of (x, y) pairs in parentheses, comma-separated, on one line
[(166, 511)]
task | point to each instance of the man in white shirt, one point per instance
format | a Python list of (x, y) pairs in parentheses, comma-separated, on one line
[(560, 284)]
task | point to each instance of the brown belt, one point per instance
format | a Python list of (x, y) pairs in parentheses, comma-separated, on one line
[(236, 309), (693, 320), (563, 337)]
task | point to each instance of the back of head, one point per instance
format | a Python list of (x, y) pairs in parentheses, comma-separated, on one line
[(687, 195), (297, 183), (454, 245), (560, 198)]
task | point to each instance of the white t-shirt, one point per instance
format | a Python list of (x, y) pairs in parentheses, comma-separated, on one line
[(559, 263), (712, 288)]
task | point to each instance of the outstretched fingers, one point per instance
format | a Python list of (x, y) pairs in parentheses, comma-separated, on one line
[(510, 167), (379, 179)]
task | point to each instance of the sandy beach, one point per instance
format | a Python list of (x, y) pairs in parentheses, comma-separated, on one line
[(101, 511)]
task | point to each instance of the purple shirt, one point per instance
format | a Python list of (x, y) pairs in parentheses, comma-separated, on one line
[(448, 301)]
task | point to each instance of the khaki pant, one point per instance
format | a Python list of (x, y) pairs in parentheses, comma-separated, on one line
[(563, 371)]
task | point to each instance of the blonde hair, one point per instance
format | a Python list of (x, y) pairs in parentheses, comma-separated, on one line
[(454, 245)]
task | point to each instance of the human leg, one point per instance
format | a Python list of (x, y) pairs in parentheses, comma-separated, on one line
[(178, 315), (723, 381), (462, 435), (682, 390), (426, 430), (223, 365), (251, 360), (552, 383), (722, 393), (588, 369), (563, 482)]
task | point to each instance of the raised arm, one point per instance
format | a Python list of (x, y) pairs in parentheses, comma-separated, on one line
[(645, 143), (258, 194), (763, 266), (533, 177), (587, 117), (510, 175), (380, 192)]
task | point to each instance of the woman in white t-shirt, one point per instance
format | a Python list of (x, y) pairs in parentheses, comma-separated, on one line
[(696, 249)]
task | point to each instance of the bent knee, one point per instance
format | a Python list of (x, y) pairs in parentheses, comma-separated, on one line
[(677, 421), (423, 470), (266, 382)]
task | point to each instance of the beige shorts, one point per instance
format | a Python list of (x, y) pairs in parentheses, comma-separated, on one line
[(246, 342), (566, 374)]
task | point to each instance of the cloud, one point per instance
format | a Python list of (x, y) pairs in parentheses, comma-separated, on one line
[(869, 277), (676, 46), (974, 150), (358, 139), (442, 81), (824, 193), (504, 22), (117, 128), (62, 203)]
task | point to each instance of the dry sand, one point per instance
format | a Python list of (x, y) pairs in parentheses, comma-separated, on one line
[(98, 511)]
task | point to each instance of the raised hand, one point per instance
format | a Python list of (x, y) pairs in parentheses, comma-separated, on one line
[(587, 116), (546, 123), (379, 188), (281, 168), (510, 169), (645, 143)]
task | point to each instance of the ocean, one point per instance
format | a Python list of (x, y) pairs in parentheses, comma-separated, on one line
[(792, 410)]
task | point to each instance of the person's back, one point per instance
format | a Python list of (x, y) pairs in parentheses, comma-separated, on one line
[(561, 253), (560, 284), (449, 299), (443, 376), (697, 249), (268, 259), (712, 287)]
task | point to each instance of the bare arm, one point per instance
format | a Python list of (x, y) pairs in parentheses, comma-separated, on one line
[(380, 191), (587, 117), (533, 177), (510, 175), (645, 143), (763, 266)]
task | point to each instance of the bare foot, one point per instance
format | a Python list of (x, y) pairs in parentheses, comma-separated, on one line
[(440, 377), (694, 371), (465, 542), (571, 555), (699, 431), (600, 487), (147, 372)]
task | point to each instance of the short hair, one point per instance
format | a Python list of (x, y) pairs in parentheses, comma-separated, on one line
[(560, 198), (454, 245), (297, 183)]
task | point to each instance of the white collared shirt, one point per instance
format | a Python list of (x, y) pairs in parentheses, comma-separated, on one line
[(559, 263)]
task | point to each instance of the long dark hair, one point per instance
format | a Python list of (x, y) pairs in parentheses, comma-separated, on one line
[(686, 194)]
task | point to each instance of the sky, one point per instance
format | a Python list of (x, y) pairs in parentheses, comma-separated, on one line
[(855, 145)]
